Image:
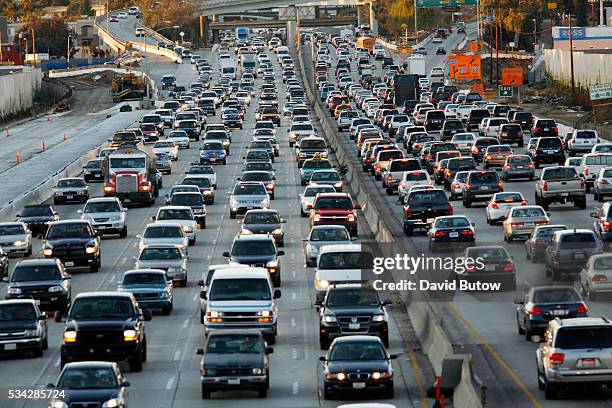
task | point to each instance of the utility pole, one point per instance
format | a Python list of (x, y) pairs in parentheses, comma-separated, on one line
[(34, 46), (601, 13), (571, 44), (491, 49), (535, 38), (68, 51), (416, 27), (478, 19), (1, 56), (496, 49)]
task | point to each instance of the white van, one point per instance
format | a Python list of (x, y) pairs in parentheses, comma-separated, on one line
[(591, 164), (241, 297), (339, 264)]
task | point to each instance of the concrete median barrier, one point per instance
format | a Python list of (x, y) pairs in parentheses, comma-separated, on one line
[(427, 325)]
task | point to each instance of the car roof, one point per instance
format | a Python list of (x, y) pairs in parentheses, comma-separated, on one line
[(72, 221), (254, 237), (108, 293), (137, 271), (340, 248), (18, 302), (163, 224), (358, 339), (241, 272), (89, 364)]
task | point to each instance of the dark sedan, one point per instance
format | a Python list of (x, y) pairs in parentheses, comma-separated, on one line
[(451, 232), (38, 217), (358, 364)]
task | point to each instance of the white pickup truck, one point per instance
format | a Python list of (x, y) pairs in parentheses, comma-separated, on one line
[(560, 184)]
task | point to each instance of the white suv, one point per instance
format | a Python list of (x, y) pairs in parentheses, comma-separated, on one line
[(106, 215)]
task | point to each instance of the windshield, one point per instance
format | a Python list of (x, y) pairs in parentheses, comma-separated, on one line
[(312, 144), (37, 211), (584, 338), (345, 260), (201, 170), (77, 230), (102, 207), (560, 173), (154, 231), (261, 218), (555, 295), (427, 196), (145, 278), (163, 254), (495, 254), (578, 241), (249, 189), (257, 176), (102, 308), (600, 159), (213, 145), (174, 214), (94, 164), (253, 248), (351, 297), (329, 234), (189, 200), (127, 162), (9, 313), (71, 183), (325, 176), (11, 230), (311, 192), (234, 343), (527, 212), (357, 351), (519, 159), (484, 177), (240, 289), (317, 164), (343, 203), (197, 181), (29, 273), (454, 222), (88, 378), (302, 127), (604, 262)]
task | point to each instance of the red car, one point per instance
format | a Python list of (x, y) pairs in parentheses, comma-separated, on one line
[(334, 209)]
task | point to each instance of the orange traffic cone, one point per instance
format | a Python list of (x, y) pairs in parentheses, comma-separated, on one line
[(17, 157), (48, 118), (65, 137), (44, 147)]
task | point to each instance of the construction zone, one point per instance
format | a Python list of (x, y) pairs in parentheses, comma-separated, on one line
[(129, 86)]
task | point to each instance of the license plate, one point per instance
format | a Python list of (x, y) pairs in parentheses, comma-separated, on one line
[(558, 312), (453, 234), (359, 385), (354, 326), (489, 267), (10, 346), (212, 159), (233, 381), (545, 129), (564, 194), (69, 263), (484, 187), (549, 151), (70, 197), (430, 220), (127, 200), (520, 167), (579, 255)]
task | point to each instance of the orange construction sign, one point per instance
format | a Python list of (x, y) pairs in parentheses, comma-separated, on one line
[(474, 46), (512, 76), (478, 87), (464, 67)]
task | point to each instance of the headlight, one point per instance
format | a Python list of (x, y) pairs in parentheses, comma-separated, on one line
[(245, 231), (130, 335), (226, 143), (272, 264), (323, 154), (378, 318), (210, 371), (277, 231), (111, 403), (70, 336), (214, 313), (48, 251), (20, 243), (208, 192), (311, 250), (115, 218), (54, 289), (351, 217), (187, 229), (174, 270), (58, 404), (266, 313), (14, 291), (329, 319), (31, 333), (91, 249), (338, 184), (322, 283), (257, 371)]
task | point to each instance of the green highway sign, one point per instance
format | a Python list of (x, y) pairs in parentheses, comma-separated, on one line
[(445, 3), (505, 91), (600, 91)]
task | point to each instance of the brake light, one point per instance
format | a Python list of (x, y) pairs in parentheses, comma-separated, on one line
[(582, 185), (389, 177), (545, 186), (440, 234), (494, 205), (535, 310), (586, 171), (467, 232), (468, 186), (408, 212), (556, 129), (582, 308), (531, 165), (517, 224), (523, 203), (109, 188), (557, 358), (488, 129), (475, 149), (377, 166), (607, 225), (470, 269), (456, 185), (418, 146), (450, 209), (599, 278), (489, 157), (541, 222), (500, 184), (508, 267)]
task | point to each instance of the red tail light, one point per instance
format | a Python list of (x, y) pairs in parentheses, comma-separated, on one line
[(524, 202), (545, 186), (556, 129), (535, 310), (500, 184), (607, 225), (531, 165), (557, 358), (517, 224), (557, 257), (408, 212), (494, 205), (586, 171), (508, 267), (582, 308), (599, 278), (541, 223), (440, 234), (582, 184), (389, 177), (468, 186), (377, 166), (470, 269), (450, 209), (488, 129), (467, 232), (603, 182)]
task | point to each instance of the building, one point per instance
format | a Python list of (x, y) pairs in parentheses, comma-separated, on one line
[(583, 38)]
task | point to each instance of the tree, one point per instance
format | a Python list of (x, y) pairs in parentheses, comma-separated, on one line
[(51, 35), (80, 8), (581, 11)]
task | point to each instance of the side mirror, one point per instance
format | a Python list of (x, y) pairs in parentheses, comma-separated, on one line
[(280, 253), (200, 351), (138, 236), (309, 206), (386, 302), (148, 315), (269, 350), (5, 279), (153, 218), (50, 385), (353, 238), (283, 221), (125, 384), (43, 316), (201, 283), (226, 254), (277, 294), (67, 277), (393, 357), (322, 358), (17, 215), (79, 211), (519, 302), (594, 215), (548, 213), (318, 302), (358, 206), (59, 317)]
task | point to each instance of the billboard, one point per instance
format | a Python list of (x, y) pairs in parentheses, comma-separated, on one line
[(445, 3), (464, 67)]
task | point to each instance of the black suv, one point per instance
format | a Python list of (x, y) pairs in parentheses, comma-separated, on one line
[(350, 309), (257, 250), (22, 327), (480, 145), (475, 118), (480, 186), (74, 242), (454, 165), (38, 217), (548, 150), (235, 359), (450, 128), (107, 326), (44, 280), (525, 119), (544, 127), (509, 133), (421, 207)]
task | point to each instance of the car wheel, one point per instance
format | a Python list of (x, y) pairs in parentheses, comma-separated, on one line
[(262, 392), (581, 204), (556, 274), (384, 337), (135, 362), (550, 391), (389, 392), (408, 230), (270, 339), (327, 395), (389, 191), (518, 326), (232, 215), (324, 342), (94, 267), (63, 360), (123, 232), (205, 392), (201, 317), (166, 310), (29, 253)]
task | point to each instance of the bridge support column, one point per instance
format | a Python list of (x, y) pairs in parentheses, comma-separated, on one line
[(360, 15), (373, 20), (215, 36), (292, 40)]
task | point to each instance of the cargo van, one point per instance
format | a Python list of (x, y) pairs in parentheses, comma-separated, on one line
[(340, 264)]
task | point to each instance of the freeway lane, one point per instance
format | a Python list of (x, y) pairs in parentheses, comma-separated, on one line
[(484, 324), (170, 376)]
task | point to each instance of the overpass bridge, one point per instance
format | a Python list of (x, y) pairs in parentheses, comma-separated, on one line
[(317, 22)]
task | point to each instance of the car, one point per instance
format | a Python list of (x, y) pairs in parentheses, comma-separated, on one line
[(509, 133), (410, 179), (75, 243), (44, 280), (437, 40), (247, 196), (113, 19), (541, 304), (327, 177), (602, 224), (255, 250), (180, 138), (602, 186), (152, 288), (568, 251), (107, 215), (518, 166), (464, 141), (582, 141), (213, 152), (15, 238), (93, 382), (422, 207), (440, 51), (362, 356), (335, 209), (23, 327), (494, 264), (570, 345), (163, 163), (309, 147), (207, 190), (122, 15), (437, 72), (450, 232), (480, 186), (248, 351), (38, 217), (114, 315), (168, 257), (353, 308), (180, 214), (260, 176), (498, 208), (544, 127), (311, 165), (539, 240), (560, 184), (264, 222), (548, 150), (93, 170), (168, 147), (170, 233), (203, 170), (596, 276), (73, 189), (495, 156), (521, 221)]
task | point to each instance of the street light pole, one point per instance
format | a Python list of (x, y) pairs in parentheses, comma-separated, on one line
[(571, 44), (416, 27)]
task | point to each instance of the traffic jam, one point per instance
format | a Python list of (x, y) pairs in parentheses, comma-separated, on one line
[(483, 179)]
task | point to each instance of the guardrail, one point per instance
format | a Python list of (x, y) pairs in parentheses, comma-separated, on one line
[(426, 324), (154, 34)]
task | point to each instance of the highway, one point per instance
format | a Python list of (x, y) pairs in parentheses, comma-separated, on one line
[(170, 377), (484, 324)]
